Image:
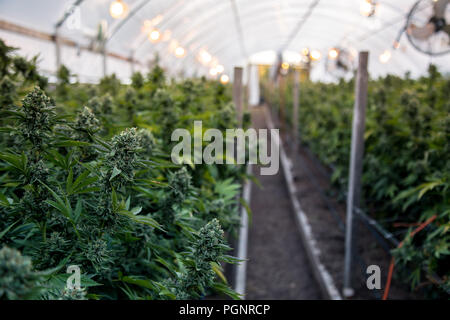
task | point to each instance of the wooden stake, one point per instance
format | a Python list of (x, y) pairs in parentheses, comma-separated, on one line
[(296, 100), (237, 93), (356, 162), (281, 112)]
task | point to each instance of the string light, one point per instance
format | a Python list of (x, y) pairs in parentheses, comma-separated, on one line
[(368, 8), (315, 55), (219, 68), (213, 72), (118, 9), (224, 79), (154, 35), (205, 57), (385, 56), (180, 52), (333, 53)]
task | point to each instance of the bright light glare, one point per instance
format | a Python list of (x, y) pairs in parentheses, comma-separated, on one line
[(219, 68), (316, 55), (166, 35), (333, 53), (367, 8), (205, 57), (157, 20), (118, 9), (385, 56), (180, 52), (224, 79), (213, 72), (154, 35), (305, 51)]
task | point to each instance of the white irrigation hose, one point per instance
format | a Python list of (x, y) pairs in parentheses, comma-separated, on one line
[(241, 269)]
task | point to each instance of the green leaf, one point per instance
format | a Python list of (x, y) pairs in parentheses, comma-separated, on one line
[(71, 143), (115, 173), (142, 220), (6, 230), (247, 209), (425, 187), (139, 282), (223, 288)]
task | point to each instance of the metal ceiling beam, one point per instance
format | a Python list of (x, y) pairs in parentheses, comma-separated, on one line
[(238, 24), (35, 34), (299, 25)]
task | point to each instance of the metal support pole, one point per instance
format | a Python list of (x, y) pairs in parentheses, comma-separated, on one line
[(237, 93), (295, 119), (356, 162)]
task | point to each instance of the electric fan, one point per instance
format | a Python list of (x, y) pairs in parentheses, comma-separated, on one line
[(427, 26), (339, 63)]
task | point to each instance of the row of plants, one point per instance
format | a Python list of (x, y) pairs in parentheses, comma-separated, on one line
[(86, 179), (406, 168)]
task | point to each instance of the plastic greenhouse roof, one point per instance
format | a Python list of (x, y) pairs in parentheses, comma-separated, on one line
[(232, 32)]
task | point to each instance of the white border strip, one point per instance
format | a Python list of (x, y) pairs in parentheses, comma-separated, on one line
[(241, 268), (322, 275)]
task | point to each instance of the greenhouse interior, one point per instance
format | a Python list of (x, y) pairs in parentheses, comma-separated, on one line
[(225, 150)]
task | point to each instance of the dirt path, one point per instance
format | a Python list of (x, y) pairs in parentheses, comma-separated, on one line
[(278, 267)]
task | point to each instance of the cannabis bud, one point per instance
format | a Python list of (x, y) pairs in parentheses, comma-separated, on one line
[(123, 155), (73, 294), (180, 182), (210, 245), (7, 92), (16, 276), (207, 248), (137, 80), (97, 251), (38, 114), (146, 140), (86, 121), (102, 105)]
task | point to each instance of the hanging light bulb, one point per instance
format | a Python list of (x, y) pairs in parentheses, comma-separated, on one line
[(154, 35), (385, 56), (368, 8), (205, 57), (180, 52), (224, 79), (213, 72), (333, 53), (315, 55), (118, 9)]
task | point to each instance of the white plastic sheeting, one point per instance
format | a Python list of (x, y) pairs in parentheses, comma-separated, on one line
[(232, 32)]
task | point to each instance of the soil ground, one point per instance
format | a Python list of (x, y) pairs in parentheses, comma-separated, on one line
[(325, 213), (278, 267)]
